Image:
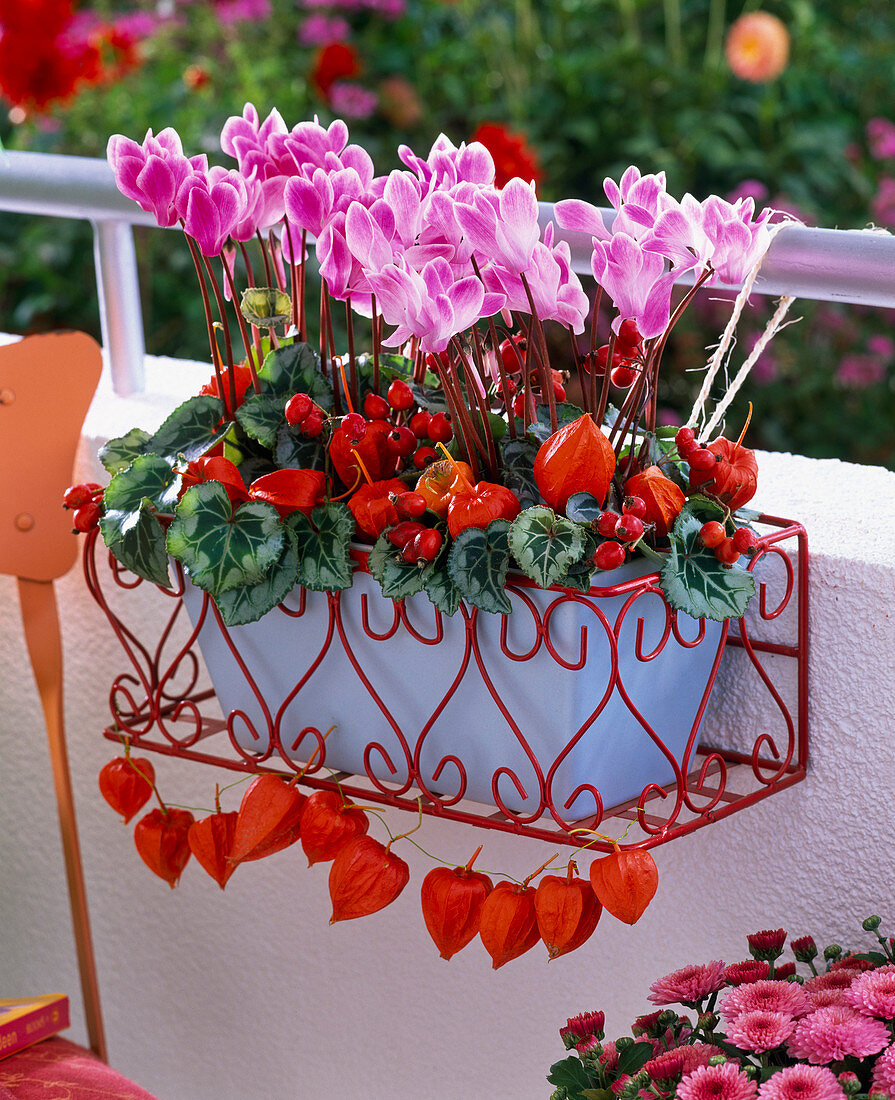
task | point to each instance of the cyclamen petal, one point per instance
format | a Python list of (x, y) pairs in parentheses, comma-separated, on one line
[(580, 217), (365, 239), (517, 227)]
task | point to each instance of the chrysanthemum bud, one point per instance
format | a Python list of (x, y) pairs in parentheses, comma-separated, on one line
[(623, 1043), (833, 951), (870, 924), (804, 948), (785, 971), (647, 1025), (767, 945), (667, 1018), (751, 1071), (717, 1059), (850, 1082), (708, 1021)]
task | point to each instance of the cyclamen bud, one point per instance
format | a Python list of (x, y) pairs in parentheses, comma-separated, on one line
[(804, 948)]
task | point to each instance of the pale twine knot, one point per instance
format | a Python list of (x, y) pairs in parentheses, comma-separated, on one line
[(725, 345)]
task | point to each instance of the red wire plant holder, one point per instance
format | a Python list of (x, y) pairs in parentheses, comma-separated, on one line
[(762, 656)]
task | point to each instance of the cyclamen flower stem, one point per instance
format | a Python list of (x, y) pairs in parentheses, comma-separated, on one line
[(250, 280), (337, 403), (250, 273), (465, 407), (502, 375), (243, 330), (296, 286), (225, 328), (209, 320), (603, 402), (595, 318), (544, 365), (264, 259), (302, 320), (483, 407), (579, 372), (375, 326), (352, 364), (450, 385)]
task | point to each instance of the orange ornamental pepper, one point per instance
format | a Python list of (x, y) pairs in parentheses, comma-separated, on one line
[(437, 484)]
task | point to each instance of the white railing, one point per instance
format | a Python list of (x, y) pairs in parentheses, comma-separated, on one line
[(830, 265)]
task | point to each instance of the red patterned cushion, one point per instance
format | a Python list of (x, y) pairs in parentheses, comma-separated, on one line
[(57, 1068)]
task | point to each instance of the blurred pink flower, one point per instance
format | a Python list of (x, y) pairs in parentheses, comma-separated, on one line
[(760, 1030), (749, 189), (883, 203), (831, 1034), (858, 371), (319, 29), (881, 138), (765, 370), (883, 346), (229, 12), (352, 100), (688, 985), (725, 1082), (802, 1083), (873, 993)]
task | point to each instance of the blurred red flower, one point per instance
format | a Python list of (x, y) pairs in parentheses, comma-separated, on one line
[(334, 62), (512, 154)]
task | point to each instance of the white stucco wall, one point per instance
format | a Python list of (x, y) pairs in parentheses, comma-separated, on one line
[(250, 993)]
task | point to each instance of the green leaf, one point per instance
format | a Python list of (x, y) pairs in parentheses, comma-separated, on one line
[(571, 1075), (398, 578), (249, 602), (297, 452), (261, 416), (324, 563), (583, 508), (264, 306), (119, 453), (518, 474), (295, 368), (634, 1058), (439, 587), (148, 478), (539, 430), (190, 430), (545, 545), (580, 574), (693, 579), (597, 1094), (222, 547), (478, 563), (141, 547)]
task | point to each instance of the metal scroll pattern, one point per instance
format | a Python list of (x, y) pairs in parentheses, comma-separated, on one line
[(457, 714)]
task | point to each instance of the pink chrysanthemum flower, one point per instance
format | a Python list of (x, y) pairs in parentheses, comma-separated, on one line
[(760, 1030), (830, 1034), (609, 1058), (725, 1082), (884, 1072), (873, 993), (802, 1083), (689, 985), (823, 998), (667, 1066), (833, 979), (698, 1054), (646, 1024), (752, 970), (767, 944), (852, 962), (765, 996)]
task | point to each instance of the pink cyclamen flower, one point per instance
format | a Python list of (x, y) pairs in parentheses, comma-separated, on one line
[(724, 1082), (760, 1030), (212, 204), (766, 995), (637, 281), (873, 993), (802, 1083), (831, 1034), (637, 200), (152, 173), (884, 1072), (689, 985)]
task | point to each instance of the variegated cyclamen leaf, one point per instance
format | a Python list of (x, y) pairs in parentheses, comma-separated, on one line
[(323, 542), (222, 547), (478, 563), (298, 452), (580, 574), (519, 456), (439, 587), (148, 478), (261, 415), (398, 578), (141, 547), (694, 581), (583, 508), (118, 454), (248, 603), (545, 545), (190, 430), (539, 430), (295, 368)]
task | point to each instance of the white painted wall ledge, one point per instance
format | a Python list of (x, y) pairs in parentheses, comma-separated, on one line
[(212, 996)]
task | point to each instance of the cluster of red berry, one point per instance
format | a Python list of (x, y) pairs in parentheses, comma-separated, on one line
[(728, 548), (700, 459), (416, 542), (626, 355), (84, 499), (621, 530), (512, 355)]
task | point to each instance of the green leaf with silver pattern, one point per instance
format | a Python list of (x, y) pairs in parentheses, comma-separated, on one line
[(141, 548), (693, 579), (478, 564), (250, 602), (545, 545), (148, 478), (190, 430), (398, 578), (323, 540), (222, 547)]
